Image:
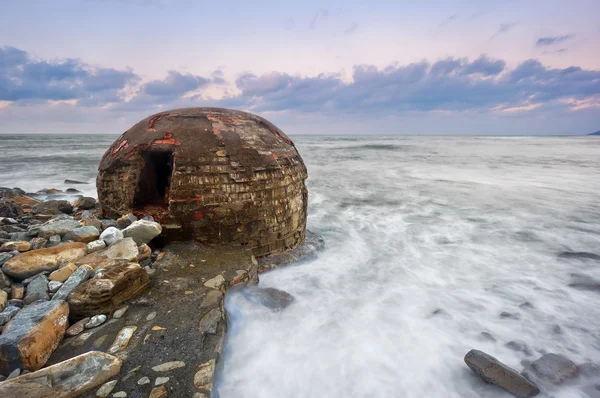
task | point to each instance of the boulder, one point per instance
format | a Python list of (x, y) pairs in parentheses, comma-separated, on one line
[(53, 207), (111, 235), (57, 227), (67, 379), (77, 278), (553, 368), (5, 281), (62, 274), (495, 372), (10, 209), (39, 287), (142, 231), (36, 261), (107, 290), (20, 246), (273, 299), (32, 335), (125, 249), (82, 234), (8, 313), (9, 193), (85, 203)]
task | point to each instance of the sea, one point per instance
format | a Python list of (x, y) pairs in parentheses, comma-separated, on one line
[(433, 246)]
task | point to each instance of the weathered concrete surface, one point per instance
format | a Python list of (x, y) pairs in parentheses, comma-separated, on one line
[(159, 326), (236, 178)]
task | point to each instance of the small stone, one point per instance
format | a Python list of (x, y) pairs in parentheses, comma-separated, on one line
[(126, 220), (77, 278), (32, 298), (16, 302), (82, 234), (159, 392), (155, 328), (53, 286), (517, 345), (505, 314), (53, 207), (554, 368), (17, 291), (81, 339), (204, 376), (161, 380), (77, 327), (54, 240), (120, 312), (13, 374), (38, 286), (151, 316), (106, 389), (122, 339), (8, 313), (167, 366), (57, 227), (85, 203), (210, 321), (215, 283), (38, 243), (96, 320), (21, 246), (142, 231), (144, 380), (33, 262), (3, 299), (273, 299), (62, 274), (145, 252), (120, 394), (111, 235), (4, 257)]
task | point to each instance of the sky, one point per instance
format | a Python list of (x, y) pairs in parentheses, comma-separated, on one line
[(514, 67)]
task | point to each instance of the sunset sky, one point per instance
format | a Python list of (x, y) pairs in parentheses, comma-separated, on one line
[(312, 67)]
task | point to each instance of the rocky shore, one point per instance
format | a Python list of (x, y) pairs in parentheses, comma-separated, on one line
[(100, 307)]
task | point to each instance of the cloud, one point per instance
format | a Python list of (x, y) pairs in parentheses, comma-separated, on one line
[(23, 78), (174, 85), (504, 28), (551, 40), (351, 29)]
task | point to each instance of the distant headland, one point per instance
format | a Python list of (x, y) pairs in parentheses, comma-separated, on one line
[(596, 133)]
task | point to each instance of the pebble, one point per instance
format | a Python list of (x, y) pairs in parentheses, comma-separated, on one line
[(143, 380), (95, 245), (120, 312), (13, 374), (106, 389), (151, 316), (96, 320), (159, 392), (161, 380), (215, 283), (122, 339), (165, 367), (120, 394), (204, 376), (77, 327)]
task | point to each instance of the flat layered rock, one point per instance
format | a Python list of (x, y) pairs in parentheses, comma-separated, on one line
[(32, 335), (65, 379), (33, 262), (57, 227), (495, 372), (125, 249), (83, 234), (53, 207), (107, 290)]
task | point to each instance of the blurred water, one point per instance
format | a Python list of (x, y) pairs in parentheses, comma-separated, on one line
[(429, 240)]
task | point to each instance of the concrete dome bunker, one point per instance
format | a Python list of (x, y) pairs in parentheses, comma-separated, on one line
[(219, 176)]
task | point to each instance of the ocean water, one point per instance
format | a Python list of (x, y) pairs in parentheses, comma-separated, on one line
[(428, 241)]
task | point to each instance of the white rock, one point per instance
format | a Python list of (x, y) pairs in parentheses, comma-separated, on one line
[(142, 231), (106, 389), (151, 316), (95, 245), (120, 312), (53, 286), (143, 380), (96, 320), (120, 394), (161, 380), (165, 367), (111, 235), (216, 282)]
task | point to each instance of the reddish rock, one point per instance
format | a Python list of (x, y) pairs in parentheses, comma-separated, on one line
[(35, 261), (61, 275), (19, 245)]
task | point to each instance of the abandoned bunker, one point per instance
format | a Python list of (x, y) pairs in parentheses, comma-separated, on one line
[(218, 176)]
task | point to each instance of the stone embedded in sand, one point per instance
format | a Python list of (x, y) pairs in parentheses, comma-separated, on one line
[(125, 249), (82, 234), (32, 335), (36, 261), (168, 366), (106, 389), (142, 231), (57, 227), (107, 290), (210, 321), (122, 339), (213, 299), (67, 379), (53, 207), (159, 392), (239, 180), (552, 368), (215, 283), (20, 245), (95, 321), (77, 278), (204, 376), (495, 372)]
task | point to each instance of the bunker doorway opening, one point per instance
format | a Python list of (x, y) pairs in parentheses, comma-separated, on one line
[(155, 179)]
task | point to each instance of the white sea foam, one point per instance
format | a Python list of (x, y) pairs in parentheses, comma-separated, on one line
[(416, 225)]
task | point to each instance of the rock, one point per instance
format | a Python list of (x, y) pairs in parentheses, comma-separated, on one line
[(96, 320), (493, 371), (85, 203), (106, 389), (53, 207), (122, 339), (57, 227), (38, 243), (486, 336), (67, 181), (215, 283), (509, 315), (273, 299), (145, 252), (16, 302), (142, 231), (210, 321), (126, 220), (120, 394), (161, 380), (517, 345), (111, 235), (32, 298), (77, 327), (4, 257), (3, 299), (120, 312), (13, 374), (8, 313), (10, 209), (167, 366), (96, 245), (62, 274), (10, 192), (159, 392), (32, 335), (36, 261), (213, 299), (5, 281), (77, 278), (17, 291), (53, 286), (584, 282), (551, 368), (39, 286), (579, 255), (21, 246), (144, 380), (151, 316), (54, 240), (82, 234), (66, 379), (205, 375)]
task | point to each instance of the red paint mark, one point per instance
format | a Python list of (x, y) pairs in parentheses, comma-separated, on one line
[(130, 153), (153, 121), (245, 146), (198, 215), (274, 156), (122, 145), (167, 140)]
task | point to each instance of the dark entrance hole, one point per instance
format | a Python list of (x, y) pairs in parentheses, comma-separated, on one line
[(155, 179)]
